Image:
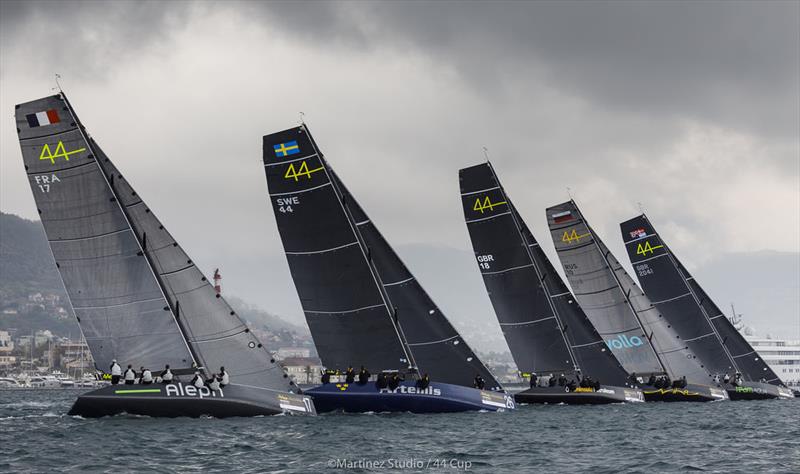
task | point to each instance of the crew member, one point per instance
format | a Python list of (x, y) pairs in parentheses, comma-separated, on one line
[(350, 375), (197, 380), (534, 379), (147, 377), (166, 376), (224, 378), (737, 379), (551, 382), (381, 381), (326, 377), (394, 381), (424, 382), (562, 381), (214, 382), (363, 376), (726, 378), (479, 382), (116, 372), (652, 380), (130, 375)]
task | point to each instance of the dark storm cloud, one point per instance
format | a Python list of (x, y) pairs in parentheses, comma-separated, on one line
[(734, 63)]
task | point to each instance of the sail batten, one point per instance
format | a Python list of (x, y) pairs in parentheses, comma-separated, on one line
[(544, 326), (361, 303), (687, 307)]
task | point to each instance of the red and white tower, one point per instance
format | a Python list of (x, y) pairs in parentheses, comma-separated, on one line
[(217, 281)]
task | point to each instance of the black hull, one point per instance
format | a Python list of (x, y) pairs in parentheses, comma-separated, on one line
[(758, 391), (692, 393), (554, 395), (175, 400)]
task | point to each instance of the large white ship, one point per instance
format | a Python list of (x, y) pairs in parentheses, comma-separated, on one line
[(782, 355)]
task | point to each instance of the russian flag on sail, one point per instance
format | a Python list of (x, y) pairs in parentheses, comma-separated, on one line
[(562, 217), (40, 119)]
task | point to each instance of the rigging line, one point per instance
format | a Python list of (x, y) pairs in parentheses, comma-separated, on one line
[(313, 252), (480, 191), (603, 254), (700, 337), (487, 218), (345, 311), (524, 238), (523, 323), (90, 145), (376, 278), (520, 267), (432, 342), (672, 299), (398, 282)]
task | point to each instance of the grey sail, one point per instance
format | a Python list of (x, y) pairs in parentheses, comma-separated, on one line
[(639, 336), (362, 304), (198, 321), (730, 350), (544, 326), (114, 294), (672, 295)]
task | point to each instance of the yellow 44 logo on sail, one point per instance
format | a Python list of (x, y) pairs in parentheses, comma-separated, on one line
[(60, 152), (486, 204), (296, 173), (646, 248), (573, 236)]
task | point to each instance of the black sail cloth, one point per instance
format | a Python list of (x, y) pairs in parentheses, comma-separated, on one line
[(361, 303), (639, 336), (542, 322), (137, 295), (681, 300)]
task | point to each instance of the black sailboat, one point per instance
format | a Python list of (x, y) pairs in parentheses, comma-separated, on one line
[(363, 306), (645, 344), (549, 335), (139, 299), (696, 318)]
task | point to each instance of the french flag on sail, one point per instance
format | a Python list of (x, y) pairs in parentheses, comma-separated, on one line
[(560, 217), (40, 119)]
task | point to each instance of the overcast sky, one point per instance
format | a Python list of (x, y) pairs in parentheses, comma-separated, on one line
[(692, 109)]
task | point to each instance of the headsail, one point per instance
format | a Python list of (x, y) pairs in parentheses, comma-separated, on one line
[(681, 300), (138, 296), (642, 341), (542, 322), (362, 304)]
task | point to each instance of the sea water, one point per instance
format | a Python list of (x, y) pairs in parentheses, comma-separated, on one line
[(36, 435)]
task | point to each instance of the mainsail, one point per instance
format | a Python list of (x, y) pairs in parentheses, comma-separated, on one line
[(544, 326), (361, 303), (642, 341), (138, 297), (681, 300)]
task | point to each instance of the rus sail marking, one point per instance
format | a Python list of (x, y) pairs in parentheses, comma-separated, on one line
[(546, 330)]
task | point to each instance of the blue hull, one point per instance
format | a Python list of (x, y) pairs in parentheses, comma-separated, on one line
[(437, 398)]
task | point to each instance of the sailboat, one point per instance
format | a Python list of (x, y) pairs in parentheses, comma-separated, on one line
[(546, 329), (138, 298), (695, 316), (362, 305), (644, 343)]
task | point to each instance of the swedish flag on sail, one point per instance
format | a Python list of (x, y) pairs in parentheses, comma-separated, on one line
[(286, 149)]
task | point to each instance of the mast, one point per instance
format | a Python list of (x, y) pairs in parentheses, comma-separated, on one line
[(391, 310), (619, 284), (142, 246), (536, 268)]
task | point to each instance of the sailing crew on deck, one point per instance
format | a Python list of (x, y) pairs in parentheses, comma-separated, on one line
[(363, 376), (726, 378), (394, 381), (381, 381), (350, 375), (147, 377), (479, 382), (652, 380), (197, 381), (130, 375), (551, 381), (737, 379), (116, 372), (214, 382), (224, 378), (166, 376), (534, 379), (562, 381), (424, 382), (326, 377)]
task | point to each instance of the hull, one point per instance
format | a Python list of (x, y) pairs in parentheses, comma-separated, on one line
[(179, 399), (692, 393), (758, 391), (437, 398), (581, 396)]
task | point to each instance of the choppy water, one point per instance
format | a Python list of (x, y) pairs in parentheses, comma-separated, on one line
[(36, 435)]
